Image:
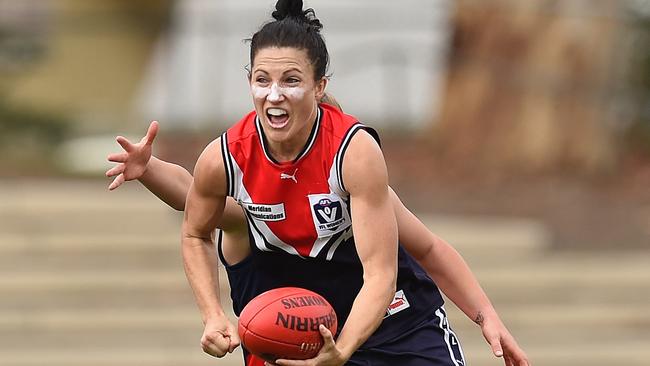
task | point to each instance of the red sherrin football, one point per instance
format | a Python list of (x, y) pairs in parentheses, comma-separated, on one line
[(283, 323)]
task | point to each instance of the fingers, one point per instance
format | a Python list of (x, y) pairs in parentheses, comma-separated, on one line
[(508, 361), (125, 143), (215, 345), (283, 362), (213, 350), (118, 158), (327, 336), (118, 169), (518, 358), (151, 133), (116, 182), (329, 350), (513, 352), (515, 355)]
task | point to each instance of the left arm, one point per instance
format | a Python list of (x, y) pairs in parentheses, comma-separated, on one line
[(454, 277), (375, 236)]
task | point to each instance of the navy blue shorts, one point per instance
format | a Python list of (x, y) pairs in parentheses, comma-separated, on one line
[(431, 343)]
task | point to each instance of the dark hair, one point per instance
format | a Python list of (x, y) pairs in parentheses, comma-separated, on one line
[(294, 28)]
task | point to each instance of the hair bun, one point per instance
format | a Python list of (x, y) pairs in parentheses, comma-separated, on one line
[(293, 9), (288, 8)]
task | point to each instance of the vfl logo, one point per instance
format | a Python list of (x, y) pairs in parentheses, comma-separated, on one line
[(292, 176), (329, 214)]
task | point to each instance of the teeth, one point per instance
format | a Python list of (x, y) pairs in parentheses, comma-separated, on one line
[(276, 112)]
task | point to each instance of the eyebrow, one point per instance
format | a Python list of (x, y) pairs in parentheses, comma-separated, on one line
[(293, 69), (283, 73)]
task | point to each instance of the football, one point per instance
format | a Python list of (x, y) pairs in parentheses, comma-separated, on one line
[(283, 323)]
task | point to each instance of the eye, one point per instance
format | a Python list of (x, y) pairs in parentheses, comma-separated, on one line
[(261, 80), (292, 81)]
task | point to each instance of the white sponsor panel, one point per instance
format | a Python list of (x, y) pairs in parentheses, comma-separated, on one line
[(265, 212)]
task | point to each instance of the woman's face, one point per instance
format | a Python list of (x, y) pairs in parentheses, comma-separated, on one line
[(285, 93)]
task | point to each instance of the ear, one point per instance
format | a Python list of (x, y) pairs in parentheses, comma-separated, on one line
[(249, 73), (321, 85)]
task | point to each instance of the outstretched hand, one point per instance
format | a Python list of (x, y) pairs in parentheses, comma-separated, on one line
[(132, 163), (502, 342)]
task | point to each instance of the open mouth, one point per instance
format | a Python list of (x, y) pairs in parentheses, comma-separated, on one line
[(277, 117)]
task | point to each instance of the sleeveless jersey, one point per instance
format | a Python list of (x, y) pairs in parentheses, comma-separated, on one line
[(300, 230)]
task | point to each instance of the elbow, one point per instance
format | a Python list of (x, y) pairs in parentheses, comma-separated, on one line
[(178, 204), (391, 288), (384, 281), (391, 279)]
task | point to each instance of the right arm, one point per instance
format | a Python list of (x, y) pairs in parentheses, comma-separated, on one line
[(169, 182), (203, 210)]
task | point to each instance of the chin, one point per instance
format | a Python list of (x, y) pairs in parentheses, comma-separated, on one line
[(277, 134)]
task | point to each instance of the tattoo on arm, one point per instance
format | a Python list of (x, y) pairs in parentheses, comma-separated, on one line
[(479, 319)]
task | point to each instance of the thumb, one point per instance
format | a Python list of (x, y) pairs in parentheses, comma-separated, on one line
[(234, 342), (151, 133), (495, 344), (327, 335)]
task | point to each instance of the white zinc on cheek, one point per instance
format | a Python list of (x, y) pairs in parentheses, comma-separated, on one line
[(274, 92), (259, 92), (294, 92)]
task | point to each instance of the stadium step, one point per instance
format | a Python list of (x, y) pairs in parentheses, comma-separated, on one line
[(589, 282), (157, 355), (621, 322), (489, 240)]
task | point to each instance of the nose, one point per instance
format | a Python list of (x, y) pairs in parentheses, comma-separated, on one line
[(276, 94)]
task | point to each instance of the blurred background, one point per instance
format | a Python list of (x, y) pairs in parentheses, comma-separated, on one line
[(517, 130)]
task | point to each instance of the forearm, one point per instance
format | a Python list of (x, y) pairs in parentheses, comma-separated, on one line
[(375, 236), (199, 261), (453, 276), (169, 182), (442, 263), (367, 312)]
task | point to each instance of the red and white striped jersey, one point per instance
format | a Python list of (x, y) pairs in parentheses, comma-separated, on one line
[(300, 207)]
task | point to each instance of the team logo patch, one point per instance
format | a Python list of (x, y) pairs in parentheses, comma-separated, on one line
[(398, 304), (329, 213), (265, 212)]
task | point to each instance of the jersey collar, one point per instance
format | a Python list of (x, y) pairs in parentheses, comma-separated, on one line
[(310, 141)]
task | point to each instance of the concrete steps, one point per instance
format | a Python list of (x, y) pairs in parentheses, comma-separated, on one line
[(486, 241), (161, 355), (90, 277), (113, 319), (581, 284)]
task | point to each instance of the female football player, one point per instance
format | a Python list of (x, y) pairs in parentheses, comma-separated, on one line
[(315, 211)]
